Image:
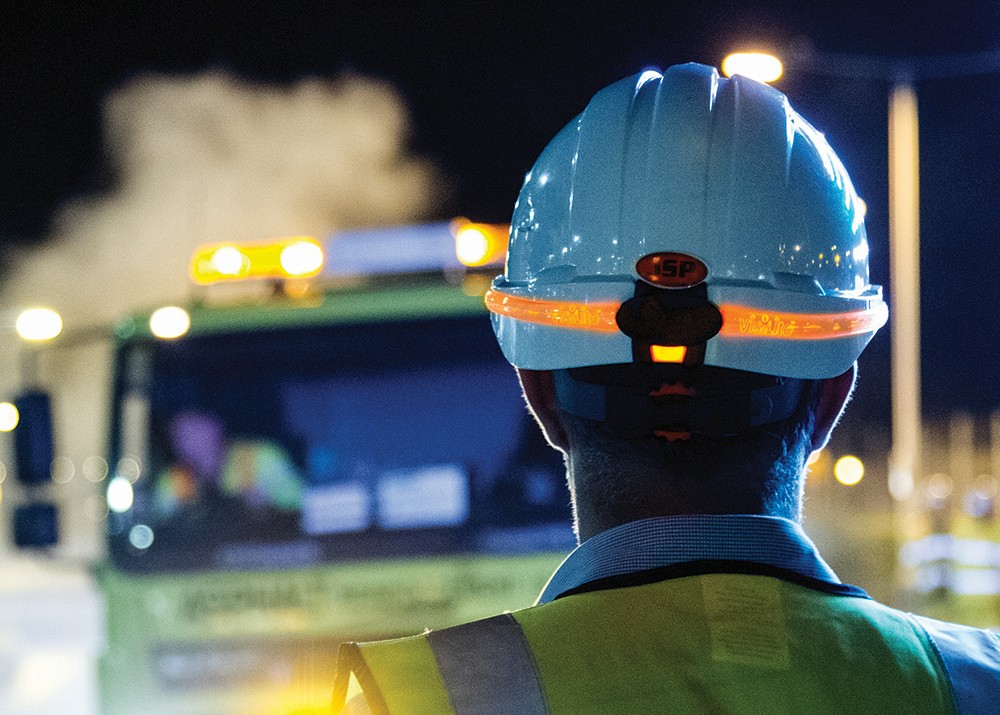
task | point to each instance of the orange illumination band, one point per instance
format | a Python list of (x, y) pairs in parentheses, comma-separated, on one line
[(738, 321), (598, 317)]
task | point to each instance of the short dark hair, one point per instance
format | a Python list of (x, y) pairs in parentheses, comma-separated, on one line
[(622, 479)]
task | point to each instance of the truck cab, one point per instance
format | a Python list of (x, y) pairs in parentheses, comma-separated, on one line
[(307, 455)]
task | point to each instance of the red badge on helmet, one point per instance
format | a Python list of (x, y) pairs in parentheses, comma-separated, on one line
[(671, 270)]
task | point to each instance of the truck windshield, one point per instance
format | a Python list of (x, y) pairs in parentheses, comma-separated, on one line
[(309, 445)]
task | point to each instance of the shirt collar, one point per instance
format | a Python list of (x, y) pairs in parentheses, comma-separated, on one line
[(665, 541)]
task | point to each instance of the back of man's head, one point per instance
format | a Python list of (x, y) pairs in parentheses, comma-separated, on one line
[(686, 295)]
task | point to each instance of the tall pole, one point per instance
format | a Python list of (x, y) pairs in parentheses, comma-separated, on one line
[(904, 283)]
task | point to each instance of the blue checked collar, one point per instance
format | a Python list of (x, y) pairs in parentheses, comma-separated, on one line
[(665, 541)]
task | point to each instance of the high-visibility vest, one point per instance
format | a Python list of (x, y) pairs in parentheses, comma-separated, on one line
[(709, 643)]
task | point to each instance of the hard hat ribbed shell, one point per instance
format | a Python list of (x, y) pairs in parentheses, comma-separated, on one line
[(722, 170)]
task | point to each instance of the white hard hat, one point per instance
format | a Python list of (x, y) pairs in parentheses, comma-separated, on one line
[(685, 217)]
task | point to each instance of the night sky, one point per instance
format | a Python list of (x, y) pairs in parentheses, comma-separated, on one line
[(488, 84)]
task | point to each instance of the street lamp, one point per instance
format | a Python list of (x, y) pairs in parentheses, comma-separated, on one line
[(904, 222), (761, 66), (904, 284), (38, 324)]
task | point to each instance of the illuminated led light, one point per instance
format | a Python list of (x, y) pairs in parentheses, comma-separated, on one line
[(598, 317), (738, 321), (471, 246), (294, 256), (745, 321), (230, 261), (120, 495), (759, 66), (169, 322), (848, 470), (301, 258), (140, 536), (9, 417), (38, 324), (479, 244), (667, 353)]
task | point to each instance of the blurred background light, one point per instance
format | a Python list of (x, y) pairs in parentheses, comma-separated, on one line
[(759, 66), (120, 495), (848, 470), (939, 486), (63, 470), (38, 324), (140, 536), (230, 261), (9, 417), (471, 246), (169, 322), (301, 258)]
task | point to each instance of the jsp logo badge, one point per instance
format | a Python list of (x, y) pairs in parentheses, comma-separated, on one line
[(668, 269)]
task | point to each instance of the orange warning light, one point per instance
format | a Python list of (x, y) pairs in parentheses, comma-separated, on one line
[(738, 321), (667, 353), (599, 317), (292, 257)]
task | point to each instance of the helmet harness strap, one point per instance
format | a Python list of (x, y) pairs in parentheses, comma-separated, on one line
[(674, 400)]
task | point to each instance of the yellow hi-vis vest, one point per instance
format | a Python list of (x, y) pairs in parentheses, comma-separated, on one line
[(712, 643)]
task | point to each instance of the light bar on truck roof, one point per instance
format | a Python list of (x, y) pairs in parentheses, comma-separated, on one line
[(292, 257), (480, 244), (442, 246)]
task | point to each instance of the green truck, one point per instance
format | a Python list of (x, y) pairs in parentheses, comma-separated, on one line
[(341, 453)]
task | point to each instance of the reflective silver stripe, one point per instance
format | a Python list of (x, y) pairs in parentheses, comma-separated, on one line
[(487, 668), (971, 659)]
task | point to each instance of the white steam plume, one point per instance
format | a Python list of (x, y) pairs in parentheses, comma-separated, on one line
[(212, 158), (197, 159)]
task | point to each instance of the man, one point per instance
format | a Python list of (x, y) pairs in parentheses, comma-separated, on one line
[(685, 298)]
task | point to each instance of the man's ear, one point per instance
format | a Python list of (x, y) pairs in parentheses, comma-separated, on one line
[(834, 396), (540, 394)]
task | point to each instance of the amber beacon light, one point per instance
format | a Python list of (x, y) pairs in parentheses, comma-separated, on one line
[(738, 320), (293, 257)]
